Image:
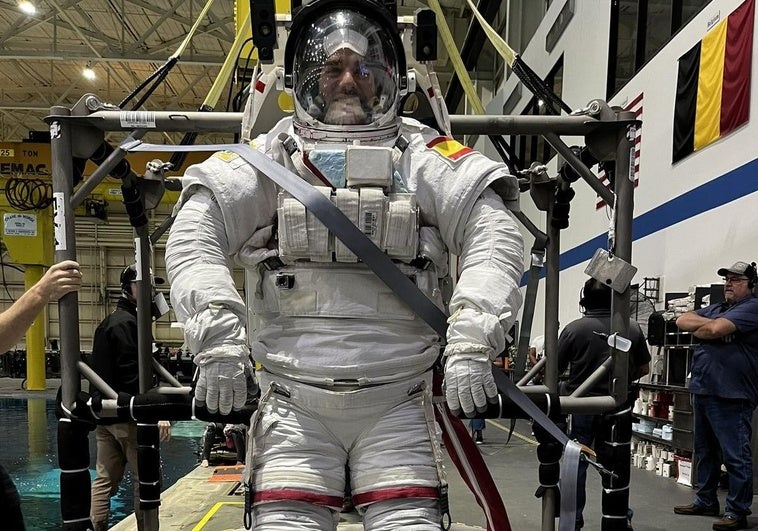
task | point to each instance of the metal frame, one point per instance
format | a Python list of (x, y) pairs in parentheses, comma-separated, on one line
[(616, 127)]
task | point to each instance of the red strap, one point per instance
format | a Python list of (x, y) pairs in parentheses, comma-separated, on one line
[(472, 468)]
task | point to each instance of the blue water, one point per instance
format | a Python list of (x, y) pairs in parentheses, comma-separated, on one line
[(28, 450)]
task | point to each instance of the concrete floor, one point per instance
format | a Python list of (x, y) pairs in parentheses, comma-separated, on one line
[(514, 468)]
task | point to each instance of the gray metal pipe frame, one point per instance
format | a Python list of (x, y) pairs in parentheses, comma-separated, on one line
[(534, 371), (590, 178), (594, 378), (229, 122), (537, 257), (184, 390), (516, 125), (144, 315), (167, 376), (552, 285), (552, 289), (523, 125), (61, 149), (145, 336), (624, 188), (104, 169), (95, 379)]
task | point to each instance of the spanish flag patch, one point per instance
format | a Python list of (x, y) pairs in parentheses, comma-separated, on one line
[(449, 148)]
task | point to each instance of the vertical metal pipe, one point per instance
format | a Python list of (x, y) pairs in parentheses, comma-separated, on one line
[(615, 498), (148, 446), (144, 317), (552, 288), (65, 249), (624, 189), (73, 447), (552, 285)]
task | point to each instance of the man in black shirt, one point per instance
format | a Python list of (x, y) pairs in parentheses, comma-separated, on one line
[(582, 348), (115, 359)]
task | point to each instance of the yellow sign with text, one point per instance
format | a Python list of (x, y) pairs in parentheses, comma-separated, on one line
[(30, 159)]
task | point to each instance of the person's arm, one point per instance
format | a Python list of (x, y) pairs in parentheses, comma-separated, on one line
[(640, 371), (704, 327), (164, 430), (532, 356), (60, 279), (484, 303)]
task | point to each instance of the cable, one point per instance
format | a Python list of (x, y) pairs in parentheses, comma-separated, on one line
[(178, 158), (501, 146), (163, 70), (527, 76), (3, 265), (229, 98), (28, 194)]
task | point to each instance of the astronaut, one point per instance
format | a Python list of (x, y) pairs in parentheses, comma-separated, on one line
[(345, 365)]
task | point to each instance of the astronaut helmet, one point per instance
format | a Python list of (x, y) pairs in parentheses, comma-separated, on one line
[(347, 66)]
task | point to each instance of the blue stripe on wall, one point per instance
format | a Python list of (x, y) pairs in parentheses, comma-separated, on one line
[(713, 194)]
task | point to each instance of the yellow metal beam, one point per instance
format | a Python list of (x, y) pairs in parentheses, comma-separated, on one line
[(35, 337)]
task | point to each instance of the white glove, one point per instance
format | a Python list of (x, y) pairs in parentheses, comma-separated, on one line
[(221, 385), (469, 383)]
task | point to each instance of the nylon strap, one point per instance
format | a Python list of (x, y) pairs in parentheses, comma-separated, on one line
[(365, 249), (530, 300), (569, 472), (341, 226), (333, 219), (472, 468)]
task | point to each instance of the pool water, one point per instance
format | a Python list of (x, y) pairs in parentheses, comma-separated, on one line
[(28, 450)]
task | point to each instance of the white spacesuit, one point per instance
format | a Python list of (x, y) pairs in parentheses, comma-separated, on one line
[(346, 366)]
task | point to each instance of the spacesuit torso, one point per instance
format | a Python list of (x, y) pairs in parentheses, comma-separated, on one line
[(315, 313)]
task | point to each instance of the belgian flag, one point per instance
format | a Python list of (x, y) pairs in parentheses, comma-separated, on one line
[(713, 83)]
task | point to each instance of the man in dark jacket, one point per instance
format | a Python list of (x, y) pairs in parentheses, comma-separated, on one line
[(115, 359)]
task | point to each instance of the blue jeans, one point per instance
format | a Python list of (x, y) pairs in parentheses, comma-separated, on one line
[(722, 434), (476, 424)]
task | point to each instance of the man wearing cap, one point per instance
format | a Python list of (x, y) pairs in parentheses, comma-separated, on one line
[(115, 359), (724, 389)]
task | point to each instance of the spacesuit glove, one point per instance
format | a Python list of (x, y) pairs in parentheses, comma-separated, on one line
[(221, 385), (469, 383)]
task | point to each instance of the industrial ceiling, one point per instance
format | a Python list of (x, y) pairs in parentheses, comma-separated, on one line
[(43, 55)]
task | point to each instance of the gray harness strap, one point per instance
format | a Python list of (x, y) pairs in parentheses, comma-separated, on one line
[(333, 218), (373, 257)]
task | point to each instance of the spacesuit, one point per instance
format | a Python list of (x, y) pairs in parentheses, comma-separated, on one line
[(345, 365)]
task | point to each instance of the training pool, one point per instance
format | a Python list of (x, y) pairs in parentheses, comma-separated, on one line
[(28, 450)]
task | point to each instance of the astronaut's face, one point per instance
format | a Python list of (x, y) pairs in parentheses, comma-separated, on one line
[(345, 73), (347, 88)]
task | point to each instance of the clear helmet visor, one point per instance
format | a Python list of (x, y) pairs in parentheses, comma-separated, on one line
[(345, 72)]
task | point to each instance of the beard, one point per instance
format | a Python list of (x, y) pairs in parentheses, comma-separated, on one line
[(345, 109)]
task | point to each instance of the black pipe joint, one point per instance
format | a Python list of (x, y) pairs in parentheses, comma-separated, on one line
[(73, 459), (135, 205), (505, 408)]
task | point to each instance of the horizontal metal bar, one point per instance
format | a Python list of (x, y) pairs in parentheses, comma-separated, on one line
[(230, 122)]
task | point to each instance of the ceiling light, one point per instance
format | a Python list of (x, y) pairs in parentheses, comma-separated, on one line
[(27, 7), (88, 73)]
